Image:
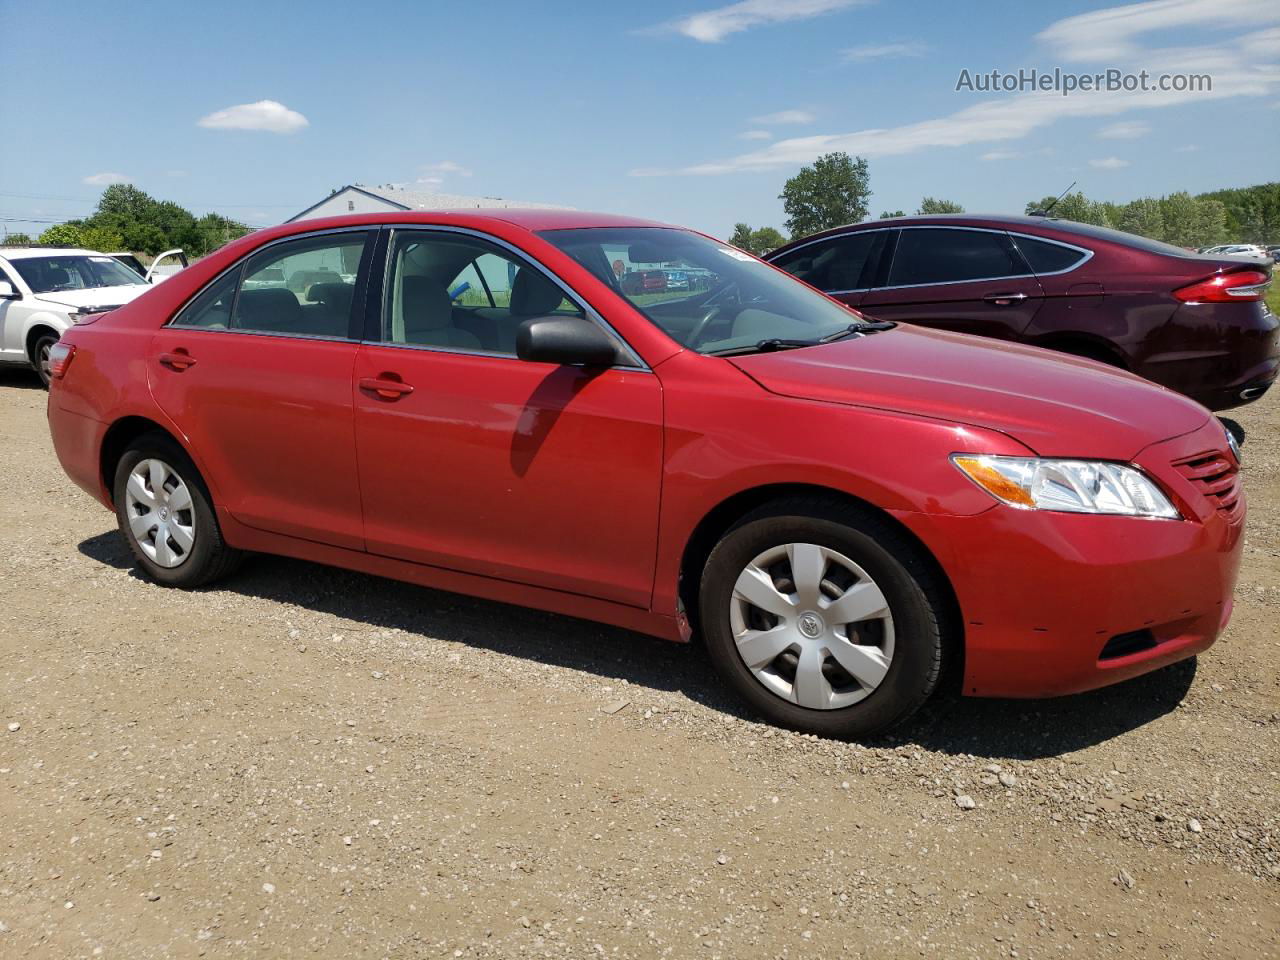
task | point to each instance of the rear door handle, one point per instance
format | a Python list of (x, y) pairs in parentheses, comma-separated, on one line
[(178, 360), (385, 388), (1004, 299)]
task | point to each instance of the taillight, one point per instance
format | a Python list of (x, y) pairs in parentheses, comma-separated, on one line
[(1226, 287), (60, 357)]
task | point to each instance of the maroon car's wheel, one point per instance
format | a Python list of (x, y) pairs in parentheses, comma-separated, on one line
[(825, 618), (166, 515)]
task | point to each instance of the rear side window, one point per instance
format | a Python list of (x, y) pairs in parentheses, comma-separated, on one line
[(1046, 257), (933, 255), (838, 264), (304, 287)]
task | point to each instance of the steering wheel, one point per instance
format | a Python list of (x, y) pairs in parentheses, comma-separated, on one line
[(699, 328)]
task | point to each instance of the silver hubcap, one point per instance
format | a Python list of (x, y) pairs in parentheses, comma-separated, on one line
[(162, 519), (812, 626), (42, 358)]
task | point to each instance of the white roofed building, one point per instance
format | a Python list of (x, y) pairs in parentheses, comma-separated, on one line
[(357, 198)]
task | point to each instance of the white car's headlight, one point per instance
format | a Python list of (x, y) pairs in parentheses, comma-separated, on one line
[(1069, 486)]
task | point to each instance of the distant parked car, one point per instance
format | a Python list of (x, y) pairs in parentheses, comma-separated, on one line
[(44, 290), (677, 280), (163, 266), (1273, 252), (1196, 323), (1237, 250), (645, 281)]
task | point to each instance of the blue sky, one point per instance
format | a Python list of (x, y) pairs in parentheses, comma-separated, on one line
[(689, 111)]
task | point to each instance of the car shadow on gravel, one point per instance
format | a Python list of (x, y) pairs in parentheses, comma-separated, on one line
[(1011, 729), (15, 377)]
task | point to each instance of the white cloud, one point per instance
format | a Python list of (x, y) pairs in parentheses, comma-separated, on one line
[(446, 166), (883, 51), (1108, 35), (1186, 148), (1124, 130), (796, 117), (1238, 68), (712, 26), (755, 135), (1108, 163), (1001, 155), (106, 179), (266, 115), (430, 181)]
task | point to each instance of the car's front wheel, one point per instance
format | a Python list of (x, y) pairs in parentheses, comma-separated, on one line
[(824, 617), (40, 348), (166, 515)]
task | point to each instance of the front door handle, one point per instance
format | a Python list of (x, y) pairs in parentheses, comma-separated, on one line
[(178, 360), (1004, 299), (385, 387)]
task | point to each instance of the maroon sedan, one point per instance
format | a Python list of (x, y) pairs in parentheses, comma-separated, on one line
[(1197, 324)]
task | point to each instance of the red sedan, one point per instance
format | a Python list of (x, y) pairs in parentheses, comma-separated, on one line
[(846, 512)]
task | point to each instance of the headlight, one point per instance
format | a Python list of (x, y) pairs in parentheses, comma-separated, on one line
[(1069, 486)]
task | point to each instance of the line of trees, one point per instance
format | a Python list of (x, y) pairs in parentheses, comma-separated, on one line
[(836, 189), (1242, 215), (127, 218)]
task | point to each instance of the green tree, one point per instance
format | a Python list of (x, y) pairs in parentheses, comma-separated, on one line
[(1142, 217), (888, 214), (930, 206), (741, 236), (126, 201), (18, 239), (759, 241), (62, 235), (100, 238), (145, 238), (831, 192), (1210, 222), (1181, 219)]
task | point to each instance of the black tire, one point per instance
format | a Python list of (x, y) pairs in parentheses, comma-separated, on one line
[(916, 601), (210, 558), (40, 347)]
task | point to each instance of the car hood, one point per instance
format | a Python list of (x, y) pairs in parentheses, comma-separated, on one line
[(1059, 406), (95, 296)]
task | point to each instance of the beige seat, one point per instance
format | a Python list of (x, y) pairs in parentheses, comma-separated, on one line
[(428, 316)]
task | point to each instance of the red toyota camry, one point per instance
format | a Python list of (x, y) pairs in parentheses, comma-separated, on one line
[(491, 403)]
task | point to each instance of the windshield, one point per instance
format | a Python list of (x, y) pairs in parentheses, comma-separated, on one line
[(707, 295), (75, 272)]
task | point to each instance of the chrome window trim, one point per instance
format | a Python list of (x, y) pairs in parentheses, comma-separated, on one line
[(589, 312), (239, 265), (1014, 234)]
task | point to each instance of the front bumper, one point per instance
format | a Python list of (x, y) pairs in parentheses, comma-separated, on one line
[(1042, 595)]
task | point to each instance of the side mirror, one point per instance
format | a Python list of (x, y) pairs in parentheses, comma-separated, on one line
[(565, 340), (7, 292)]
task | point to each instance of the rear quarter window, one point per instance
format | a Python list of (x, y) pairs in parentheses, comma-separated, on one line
[(1045, 257)]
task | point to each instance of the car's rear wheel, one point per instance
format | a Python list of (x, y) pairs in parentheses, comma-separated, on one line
[(825, 618), (40, 348), (166, 515)]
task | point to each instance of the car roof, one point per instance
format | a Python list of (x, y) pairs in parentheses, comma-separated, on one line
[(529, 219), (21, 253)]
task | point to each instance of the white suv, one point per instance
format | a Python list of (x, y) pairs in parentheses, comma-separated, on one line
[(44, 289)]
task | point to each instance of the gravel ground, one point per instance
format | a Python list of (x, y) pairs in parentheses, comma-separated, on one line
[(309, 762)]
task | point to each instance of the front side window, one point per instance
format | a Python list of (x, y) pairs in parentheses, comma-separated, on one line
[(731, 300), (936, 255), (303, 287), (840, 264), (76, 272), (461, 292)]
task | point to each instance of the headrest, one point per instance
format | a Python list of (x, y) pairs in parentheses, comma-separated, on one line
[(334, 294), (533, 295), (425, 305), (269, 308), (57, 275)]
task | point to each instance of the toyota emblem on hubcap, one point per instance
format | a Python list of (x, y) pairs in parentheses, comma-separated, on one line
[(811, 625)]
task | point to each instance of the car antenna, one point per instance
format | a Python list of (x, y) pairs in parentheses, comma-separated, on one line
[(1045, 211)]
